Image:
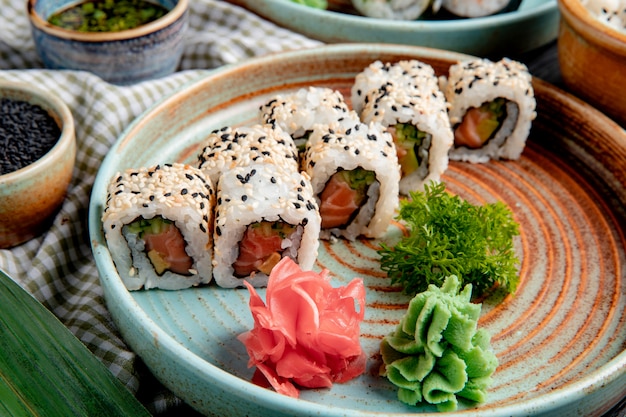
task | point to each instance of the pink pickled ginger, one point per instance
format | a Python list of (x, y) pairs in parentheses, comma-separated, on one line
[(307, 334)]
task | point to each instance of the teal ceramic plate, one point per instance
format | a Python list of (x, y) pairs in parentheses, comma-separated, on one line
[(534, 24), (560, 341)]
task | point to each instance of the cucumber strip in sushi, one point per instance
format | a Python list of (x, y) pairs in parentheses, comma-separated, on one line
[(264, 212), (157, 222), (298, 112), (355, 175), (229, 147), (406, 99), (492, 106)]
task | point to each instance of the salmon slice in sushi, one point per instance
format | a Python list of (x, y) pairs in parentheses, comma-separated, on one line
[(492, 106), (264, 213), (355, 175), (157, 222)]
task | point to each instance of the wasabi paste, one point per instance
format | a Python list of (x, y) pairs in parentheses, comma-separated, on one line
[(437, 354)]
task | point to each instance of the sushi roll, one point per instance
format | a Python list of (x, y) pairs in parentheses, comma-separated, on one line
[(355, 174), (405, 98), (298, 112), (474, 8), (264, 212), (229, 147), (157, 222), (392, 9), (492, 106)]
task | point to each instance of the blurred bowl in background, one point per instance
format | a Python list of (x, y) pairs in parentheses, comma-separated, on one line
[(149, 51), (31, 194), (592, 57), (534, 24)]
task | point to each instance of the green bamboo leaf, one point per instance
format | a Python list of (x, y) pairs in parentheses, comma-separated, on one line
[(46, 371)]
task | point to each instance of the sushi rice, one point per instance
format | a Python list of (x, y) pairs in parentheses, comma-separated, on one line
[(392, 9), (296, 113)]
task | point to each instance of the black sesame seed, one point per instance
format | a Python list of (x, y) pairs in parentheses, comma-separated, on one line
[(27, 132)]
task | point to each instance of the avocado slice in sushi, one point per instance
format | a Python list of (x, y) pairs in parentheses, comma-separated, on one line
[(408, 140)]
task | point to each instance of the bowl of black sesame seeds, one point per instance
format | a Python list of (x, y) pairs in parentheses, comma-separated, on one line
[(37, 154)]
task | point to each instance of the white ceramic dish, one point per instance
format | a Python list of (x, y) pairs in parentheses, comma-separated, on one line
[(534, 24), (560, 341)]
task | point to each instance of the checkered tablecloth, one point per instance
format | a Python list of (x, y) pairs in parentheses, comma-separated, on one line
[(58, 267)]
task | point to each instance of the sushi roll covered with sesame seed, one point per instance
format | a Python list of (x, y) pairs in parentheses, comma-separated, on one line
[(355, 174), (157, 222), (229, 147), (392, 9), (298, 112), (406, 99), (492, 106), (264, 212)]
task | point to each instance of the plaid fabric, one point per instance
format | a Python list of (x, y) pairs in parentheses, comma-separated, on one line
[(58, 267)]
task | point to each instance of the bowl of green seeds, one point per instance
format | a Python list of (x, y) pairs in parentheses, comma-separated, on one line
[(121, 41)]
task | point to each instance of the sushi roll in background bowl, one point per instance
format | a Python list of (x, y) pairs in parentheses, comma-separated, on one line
[(157, 222), (492, 107), (475, 8), (392, 9)]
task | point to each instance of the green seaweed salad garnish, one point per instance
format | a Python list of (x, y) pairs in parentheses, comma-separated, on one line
[(449, 236)]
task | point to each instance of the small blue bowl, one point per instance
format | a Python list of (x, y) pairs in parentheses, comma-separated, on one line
[(126, 57)]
